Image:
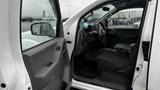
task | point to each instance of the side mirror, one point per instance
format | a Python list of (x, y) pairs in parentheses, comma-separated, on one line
[(42, 29), (105, 9)]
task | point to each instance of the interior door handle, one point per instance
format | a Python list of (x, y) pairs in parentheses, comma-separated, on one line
[(49, 64), (64, 47), (58, 48)]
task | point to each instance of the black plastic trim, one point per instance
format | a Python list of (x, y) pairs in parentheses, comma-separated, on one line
[(145, 48)]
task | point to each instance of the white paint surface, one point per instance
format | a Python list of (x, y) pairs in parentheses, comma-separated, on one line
[(70, 7)]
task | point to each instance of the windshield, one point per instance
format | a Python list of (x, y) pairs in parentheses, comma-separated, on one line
[(97, 13)]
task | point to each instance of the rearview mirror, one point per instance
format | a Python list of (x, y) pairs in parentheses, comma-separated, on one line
[(105, 9), (42, 29)]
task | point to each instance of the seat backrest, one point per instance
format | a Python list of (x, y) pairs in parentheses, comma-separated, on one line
[(133, 54), (80, 42)]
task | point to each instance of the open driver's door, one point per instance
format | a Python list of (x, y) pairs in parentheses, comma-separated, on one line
[(43, 45)]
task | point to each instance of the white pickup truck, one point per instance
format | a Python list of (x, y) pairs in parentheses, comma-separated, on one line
[(110, 44)]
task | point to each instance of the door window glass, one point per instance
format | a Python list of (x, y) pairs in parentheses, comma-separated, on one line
[(126, 18), (38, 22)]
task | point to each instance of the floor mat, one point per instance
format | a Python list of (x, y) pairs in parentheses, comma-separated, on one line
[(112, 78), (106, 80), (87, 69)]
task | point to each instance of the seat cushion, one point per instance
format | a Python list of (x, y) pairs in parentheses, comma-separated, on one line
[(109, 59), (112, 60)]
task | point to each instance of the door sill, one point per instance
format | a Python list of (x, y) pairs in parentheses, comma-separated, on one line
[(86, 86)]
